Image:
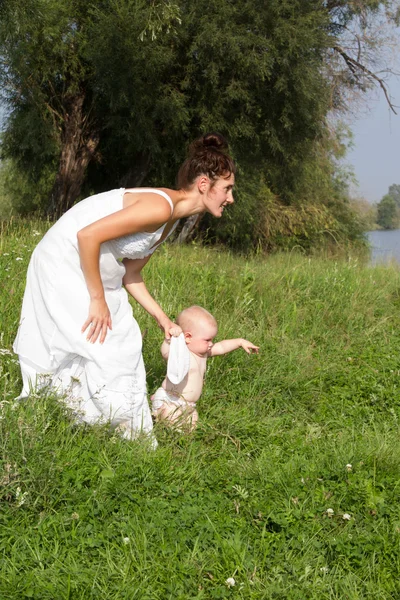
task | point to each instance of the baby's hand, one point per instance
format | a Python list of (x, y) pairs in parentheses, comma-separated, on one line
[(174, 331), (170, 329), (249, 347)]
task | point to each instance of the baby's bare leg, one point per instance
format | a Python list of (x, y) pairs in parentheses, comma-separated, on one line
[(180, 417)]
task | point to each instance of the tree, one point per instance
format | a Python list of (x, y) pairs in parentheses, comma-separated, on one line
[(394, 192), (49, 82), (388, 209), (115, 89), (364, 43), (45, 81), (387, 216), (367, 213)]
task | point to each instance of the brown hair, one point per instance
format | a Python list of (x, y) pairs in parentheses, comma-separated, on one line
[(208, 155)]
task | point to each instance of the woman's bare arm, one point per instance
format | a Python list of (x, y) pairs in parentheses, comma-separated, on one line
[(134, 284), (141, 216)]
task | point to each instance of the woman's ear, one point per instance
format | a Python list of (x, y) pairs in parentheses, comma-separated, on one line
[(203, 183)]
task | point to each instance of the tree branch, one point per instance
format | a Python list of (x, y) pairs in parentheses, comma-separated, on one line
[(354, 64)]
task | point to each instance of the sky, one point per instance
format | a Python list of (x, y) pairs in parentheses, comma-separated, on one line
[(375, 156)]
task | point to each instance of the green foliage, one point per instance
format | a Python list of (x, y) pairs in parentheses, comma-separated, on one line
[(19, 193), (388, 209), (43, 73), (387, 213), (394, 192), (141, 111), (259, 220), (367, 213), (253, 71), (250, 71), (5, 202), (85, 514), (316, 215), (242, 224), (142, 79), (163, 17)]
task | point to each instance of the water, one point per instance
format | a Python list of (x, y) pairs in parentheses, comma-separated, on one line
[(385, 245)]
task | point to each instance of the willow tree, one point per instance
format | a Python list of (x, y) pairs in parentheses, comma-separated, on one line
[(45, 80), (251, 70), (50, 88)]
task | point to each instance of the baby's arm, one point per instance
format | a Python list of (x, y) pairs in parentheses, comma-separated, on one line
[(175, 331), (165, 349), (227, 346)]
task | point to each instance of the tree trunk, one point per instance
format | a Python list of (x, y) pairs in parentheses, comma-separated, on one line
[(137, 173), (77, 149), (188, 229)]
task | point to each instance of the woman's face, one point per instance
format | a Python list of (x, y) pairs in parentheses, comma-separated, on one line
[(219, 195)]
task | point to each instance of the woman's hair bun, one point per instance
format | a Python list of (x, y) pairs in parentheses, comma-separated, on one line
[(208, 155), (209, 141)]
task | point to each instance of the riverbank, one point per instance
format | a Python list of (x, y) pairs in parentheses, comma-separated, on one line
[(289, 485)]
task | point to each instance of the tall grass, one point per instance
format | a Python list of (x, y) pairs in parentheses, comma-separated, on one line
[(308, 425)]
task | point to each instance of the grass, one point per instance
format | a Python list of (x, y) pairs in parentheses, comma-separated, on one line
[(85, 514)]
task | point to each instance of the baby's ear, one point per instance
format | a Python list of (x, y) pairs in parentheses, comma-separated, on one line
[(188, 337)]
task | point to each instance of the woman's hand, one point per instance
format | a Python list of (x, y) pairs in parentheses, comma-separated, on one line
[(98, 321), (170, 329)]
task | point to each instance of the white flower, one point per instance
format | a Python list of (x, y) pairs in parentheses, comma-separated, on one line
[(6, 254), (346, 517), (349, 467), (324, 570), (19, 258), (126, 540), (330, 512), (230, 582), (34, 232), (20, 497)]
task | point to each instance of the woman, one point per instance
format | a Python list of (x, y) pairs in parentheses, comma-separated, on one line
[(77, 329)]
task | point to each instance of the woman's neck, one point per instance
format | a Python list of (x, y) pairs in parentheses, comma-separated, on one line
[(187, 203)]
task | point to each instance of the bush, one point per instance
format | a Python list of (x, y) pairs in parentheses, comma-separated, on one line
[(19, 194)]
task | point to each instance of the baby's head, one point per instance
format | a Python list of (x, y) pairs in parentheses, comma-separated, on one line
[(199, 328)]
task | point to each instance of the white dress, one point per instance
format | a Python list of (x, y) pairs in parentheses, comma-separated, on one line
[(101, 382)]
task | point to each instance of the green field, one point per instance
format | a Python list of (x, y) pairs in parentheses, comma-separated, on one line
[(310, 424)]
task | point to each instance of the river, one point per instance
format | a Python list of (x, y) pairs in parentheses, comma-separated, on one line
[(385, 245)]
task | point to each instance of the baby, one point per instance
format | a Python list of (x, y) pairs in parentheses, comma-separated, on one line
[(187, 355)]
